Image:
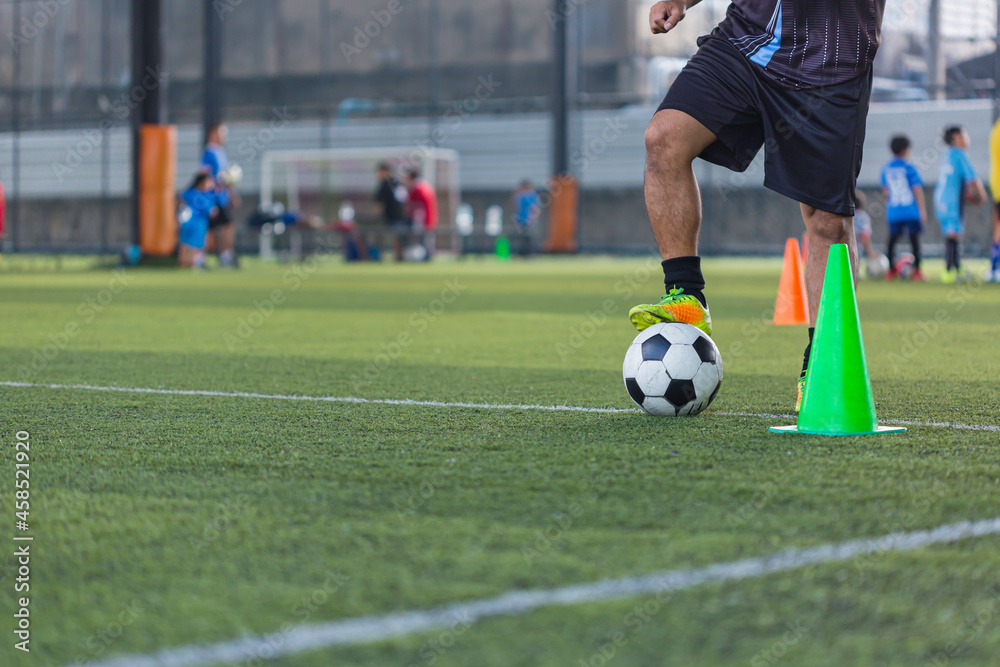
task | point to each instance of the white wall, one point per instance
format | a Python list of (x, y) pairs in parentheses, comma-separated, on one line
[(496, 151)]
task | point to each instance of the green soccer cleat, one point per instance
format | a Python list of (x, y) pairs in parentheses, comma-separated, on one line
[(801, 385), (673, 307)]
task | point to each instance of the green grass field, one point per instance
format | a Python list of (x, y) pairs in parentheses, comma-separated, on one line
[(162, 520)]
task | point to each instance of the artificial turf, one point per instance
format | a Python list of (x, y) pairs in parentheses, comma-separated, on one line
[(214, 517)]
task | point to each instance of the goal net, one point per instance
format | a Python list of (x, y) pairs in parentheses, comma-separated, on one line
[(328, 182)]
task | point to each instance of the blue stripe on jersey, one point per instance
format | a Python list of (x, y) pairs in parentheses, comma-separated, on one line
[(764, 55)]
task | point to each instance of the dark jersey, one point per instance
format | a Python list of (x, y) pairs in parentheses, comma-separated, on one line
[(388, 195), (806, 43)]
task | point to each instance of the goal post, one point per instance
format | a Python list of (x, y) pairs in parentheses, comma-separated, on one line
[(320, 182)]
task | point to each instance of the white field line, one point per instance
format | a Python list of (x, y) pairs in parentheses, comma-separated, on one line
[(443, 404), (368, 629)]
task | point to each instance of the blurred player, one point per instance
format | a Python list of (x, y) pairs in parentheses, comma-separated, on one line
[(993, 274), (201, 201), (215, 162), (526, 212), (905, 206), (791, 75), (957, 183), (390, 199), (863, 226), (422, 209)]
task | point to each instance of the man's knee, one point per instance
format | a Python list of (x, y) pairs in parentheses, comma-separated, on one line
[(667, 144), (829, 226)]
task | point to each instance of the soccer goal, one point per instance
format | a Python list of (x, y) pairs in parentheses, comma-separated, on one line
[(329, 182)]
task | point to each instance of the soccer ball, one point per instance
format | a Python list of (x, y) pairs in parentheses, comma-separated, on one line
[(904, 265), (231, 175), (415, 253), (878, 267), (672, 369)]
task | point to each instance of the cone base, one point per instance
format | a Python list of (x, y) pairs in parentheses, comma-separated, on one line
[(879, 430)]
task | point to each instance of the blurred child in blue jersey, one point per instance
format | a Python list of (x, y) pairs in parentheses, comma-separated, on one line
[(957, 184), (215, 163), (863, 227), (199, 203), (905, 208), (526, 212)]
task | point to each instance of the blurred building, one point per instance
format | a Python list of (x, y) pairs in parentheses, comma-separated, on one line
[(352, 73), (68, 60)]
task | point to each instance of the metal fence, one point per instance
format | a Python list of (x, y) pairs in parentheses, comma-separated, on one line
[(338, 66)]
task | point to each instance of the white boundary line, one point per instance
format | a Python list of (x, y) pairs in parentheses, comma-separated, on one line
[(442, 404), (369, 629)]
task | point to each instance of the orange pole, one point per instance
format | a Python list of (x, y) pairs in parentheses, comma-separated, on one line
[(158, 189), (563, 213)]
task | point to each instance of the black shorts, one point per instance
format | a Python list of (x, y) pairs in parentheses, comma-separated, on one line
[(222, 216), (399, 227), (813, 138)]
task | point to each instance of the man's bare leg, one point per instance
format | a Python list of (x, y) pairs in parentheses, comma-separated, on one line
[(673, 202), (825, 229), (673, 140)]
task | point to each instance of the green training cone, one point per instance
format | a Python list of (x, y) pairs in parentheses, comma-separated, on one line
[(838, 395), (502, 248)]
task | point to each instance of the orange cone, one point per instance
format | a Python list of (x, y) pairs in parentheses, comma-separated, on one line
[(793, 304), (805, 248)]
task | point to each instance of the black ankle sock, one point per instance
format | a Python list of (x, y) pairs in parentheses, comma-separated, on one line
[(951, 253), (891, 250), (685, 273), (915, 244), (805, 357)]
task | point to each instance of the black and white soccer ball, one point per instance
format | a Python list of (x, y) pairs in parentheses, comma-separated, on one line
[(672, 369)]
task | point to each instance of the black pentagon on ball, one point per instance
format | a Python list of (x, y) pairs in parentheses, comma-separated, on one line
[(634, 390), (715, 393), (680, 392), (705, 350), (655, 348)]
